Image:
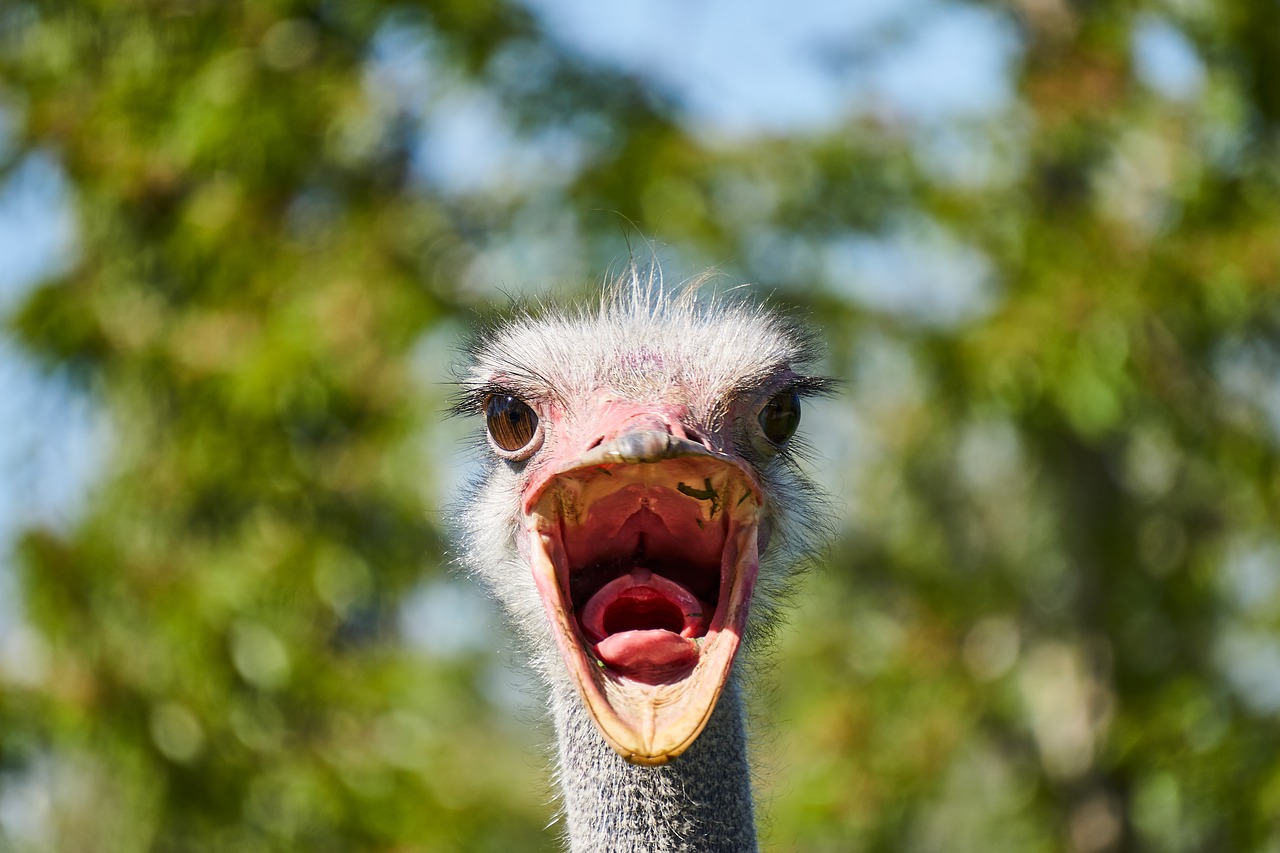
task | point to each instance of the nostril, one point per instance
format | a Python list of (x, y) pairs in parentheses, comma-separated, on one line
[(599, 440), (696, 435)]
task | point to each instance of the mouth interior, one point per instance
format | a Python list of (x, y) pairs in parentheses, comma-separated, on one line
[(646, 572), (642, 563), (642, 613)]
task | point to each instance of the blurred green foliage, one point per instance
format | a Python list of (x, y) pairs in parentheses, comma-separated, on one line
[(1051, 619)]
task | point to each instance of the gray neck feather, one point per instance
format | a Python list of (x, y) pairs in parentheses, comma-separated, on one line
[(699, 802)]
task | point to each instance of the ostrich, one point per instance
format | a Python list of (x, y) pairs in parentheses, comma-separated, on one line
[(640, 517)]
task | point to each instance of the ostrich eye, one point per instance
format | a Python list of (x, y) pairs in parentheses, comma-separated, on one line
[(780, 416), (511, 422)]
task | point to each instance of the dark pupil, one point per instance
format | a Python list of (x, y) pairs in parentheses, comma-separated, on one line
[(780, 417), (511, 422)]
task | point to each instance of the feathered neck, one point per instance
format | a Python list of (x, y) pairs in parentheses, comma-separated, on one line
[(700, 802)]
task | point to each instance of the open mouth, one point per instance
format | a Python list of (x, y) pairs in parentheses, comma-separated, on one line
[(645, 569)]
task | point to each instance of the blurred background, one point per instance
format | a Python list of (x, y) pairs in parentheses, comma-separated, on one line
[(240, 243)]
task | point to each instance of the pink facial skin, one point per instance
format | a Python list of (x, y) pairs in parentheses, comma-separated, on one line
[(591, 426)]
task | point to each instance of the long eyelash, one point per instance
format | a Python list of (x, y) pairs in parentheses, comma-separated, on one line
[(798, 451), (816, 386), (471, 401), (781, 378), (466, 402)]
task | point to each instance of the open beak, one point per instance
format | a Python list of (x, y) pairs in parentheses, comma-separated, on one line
[(644, 551)]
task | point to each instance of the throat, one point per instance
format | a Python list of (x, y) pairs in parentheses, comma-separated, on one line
[(701, 801), (645, 626)]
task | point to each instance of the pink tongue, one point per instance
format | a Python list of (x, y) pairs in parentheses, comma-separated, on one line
[(666, 617), (640, 652)]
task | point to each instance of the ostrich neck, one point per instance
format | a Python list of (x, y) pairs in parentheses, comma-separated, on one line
[(699, 802)]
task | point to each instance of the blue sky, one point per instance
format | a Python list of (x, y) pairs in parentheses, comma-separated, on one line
[(750, 67)]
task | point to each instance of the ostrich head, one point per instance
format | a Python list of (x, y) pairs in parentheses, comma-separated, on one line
[(641, 507)]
